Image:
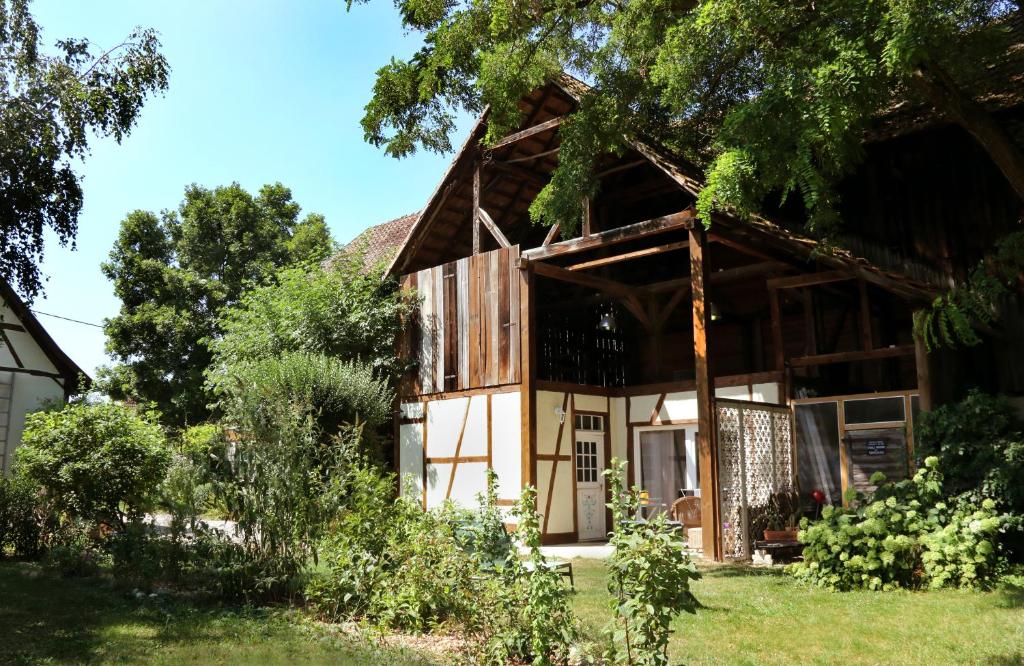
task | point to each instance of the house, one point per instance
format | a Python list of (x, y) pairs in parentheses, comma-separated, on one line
[(33, 371), (728, 363)]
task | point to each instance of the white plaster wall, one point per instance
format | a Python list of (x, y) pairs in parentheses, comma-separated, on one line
[(444, 421), (29, 392), (682, 405), (410, 459), (506, 444)]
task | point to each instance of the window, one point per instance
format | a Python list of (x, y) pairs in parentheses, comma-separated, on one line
[(590, 422), (874, 410), (586, 462)]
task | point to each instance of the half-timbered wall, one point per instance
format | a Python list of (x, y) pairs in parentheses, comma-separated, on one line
[(466, 331), (447, 445)]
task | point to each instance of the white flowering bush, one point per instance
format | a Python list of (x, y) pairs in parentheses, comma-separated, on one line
[(903, 535)]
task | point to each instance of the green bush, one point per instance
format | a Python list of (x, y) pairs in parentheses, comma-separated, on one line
[(903, 535), (98, 462), (980, 446), (650, 579), (21, 519)]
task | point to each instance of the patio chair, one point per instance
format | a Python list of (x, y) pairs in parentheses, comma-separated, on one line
[(686, 510)]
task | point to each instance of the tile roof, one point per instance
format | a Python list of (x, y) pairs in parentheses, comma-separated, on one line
[(379, 243)]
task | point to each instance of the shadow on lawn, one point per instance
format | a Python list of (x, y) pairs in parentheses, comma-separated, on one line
[(45, 618), (1012, 596), (741, 571)]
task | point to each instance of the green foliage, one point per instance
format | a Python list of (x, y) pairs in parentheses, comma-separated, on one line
[(904, 535), (99, 462), (174, 274), (344, 312), (20, 520), (649, 582), (766, 97), (51, 104), (980, 446), (331, 392), (952, 317)]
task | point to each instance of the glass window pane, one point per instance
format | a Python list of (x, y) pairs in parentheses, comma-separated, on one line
[(874, 410), (817, 448)]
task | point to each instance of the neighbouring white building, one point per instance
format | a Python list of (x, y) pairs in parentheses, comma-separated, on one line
[(33, 371)]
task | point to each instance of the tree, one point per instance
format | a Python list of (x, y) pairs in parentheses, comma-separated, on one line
[(50, 106), (343, 312), (176, 271), (99, 461), (770, 98)]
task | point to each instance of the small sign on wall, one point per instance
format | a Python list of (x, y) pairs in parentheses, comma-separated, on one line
[(876, 447)]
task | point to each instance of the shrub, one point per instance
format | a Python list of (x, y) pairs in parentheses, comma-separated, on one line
[(650, 579), (902, 536), (99, 462), (344, 312), (20, 518), (980, 446)]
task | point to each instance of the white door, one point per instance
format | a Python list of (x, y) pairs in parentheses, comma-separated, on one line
[(590, 501)]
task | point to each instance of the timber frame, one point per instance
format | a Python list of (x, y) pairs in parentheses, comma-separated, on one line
[(503, 302)]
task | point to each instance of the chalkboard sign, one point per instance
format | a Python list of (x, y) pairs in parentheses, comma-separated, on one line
[(876, 447)]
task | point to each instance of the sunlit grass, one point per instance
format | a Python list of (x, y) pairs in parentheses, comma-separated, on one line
[(46, 619), (761, 616)]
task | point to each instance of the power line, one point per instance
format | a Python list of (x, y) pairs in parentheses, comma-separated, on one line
[(77, 321)]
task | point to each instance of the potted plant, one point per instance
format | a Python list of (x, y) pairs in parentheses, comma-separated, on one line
[(781, 515)]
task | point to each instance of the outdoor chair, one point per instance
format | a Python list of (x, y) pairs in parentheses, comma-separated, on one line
[(686, 510)]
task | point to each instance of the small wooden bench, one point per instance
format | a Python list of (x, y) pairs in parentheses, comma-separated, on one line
[(561, 567), (768, 552)]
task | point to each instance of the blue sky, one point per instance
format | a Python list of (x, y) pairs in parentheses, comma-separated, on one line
[(259, 92)]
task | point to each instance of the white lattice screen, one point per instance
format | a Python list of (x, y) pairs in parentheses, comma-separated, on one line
[(755, 461)]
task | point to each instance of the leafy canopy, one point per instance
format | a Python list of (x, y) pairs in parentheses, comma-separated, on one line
[(770, 98), (51, 105), (100, 461), (175, 272), (344, 312)]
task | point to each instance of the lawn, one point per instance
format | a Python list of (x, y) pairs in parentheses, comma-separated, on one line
[(761, 616), (46, 619), (749, 616)]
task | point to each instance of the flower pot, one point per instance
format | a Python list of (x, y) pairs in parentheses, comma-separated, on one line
[(788, 534)]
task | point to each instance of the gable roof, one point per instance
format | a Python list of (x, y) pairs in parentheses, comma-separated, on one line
[(690, 180), (378, 243), (68, 369)]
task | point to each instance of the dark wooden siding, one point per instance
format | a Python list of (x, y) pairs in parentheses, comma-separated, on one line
[(465, 334)]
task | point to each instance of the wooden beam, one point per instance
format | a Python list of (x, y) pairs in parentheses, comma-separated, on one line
[(476, 208), (535, 156), (852, 356), (586, 217), (778, 349), (528, 378), (11, 327), (681, 220), (707, 435), (865, 317), (738, 274), (493, 228), (740, 247), (610, 287), (621, 167), (666, 312), (518, 172), (636, 254), (633, 304), (528, 132), (809, 279), (552, 233)]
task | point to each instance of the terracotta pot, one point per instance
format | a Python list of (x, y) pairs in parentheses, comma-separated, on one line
[(788, 534)]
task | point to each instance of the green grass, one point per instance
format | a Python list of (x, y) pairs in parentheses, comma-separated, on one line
[(46, 619), (761, 616), (749, 616)]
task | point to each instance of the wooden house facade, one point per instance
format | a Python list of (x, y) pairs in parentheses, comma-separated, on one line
[(726, 363)]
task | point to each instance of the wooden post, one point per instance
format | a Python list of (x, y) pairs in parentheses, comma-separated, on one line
[(924, 379), (527, 377), (867, 344), (476, 208), (778, 352), (586, 217), (707, 431)]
